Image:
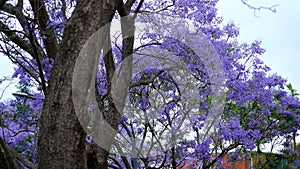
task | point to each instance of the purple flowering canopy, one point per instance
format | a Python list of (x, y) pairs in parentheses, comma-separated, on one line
[(178, 105)]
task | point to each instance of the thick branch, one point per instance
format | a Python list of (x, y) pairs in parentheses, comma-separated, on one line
[(42, 18), (17, 11), (137, 10), (11, 35), (122, 10), (36, 52), (129, 4)]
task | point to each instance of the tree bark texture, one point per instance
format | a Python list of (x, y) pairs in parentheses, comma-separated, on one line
[(61, 143)]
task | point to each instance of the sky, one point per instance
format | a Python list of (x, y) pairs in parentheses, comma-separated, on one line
[(6, 69), (279, 32)]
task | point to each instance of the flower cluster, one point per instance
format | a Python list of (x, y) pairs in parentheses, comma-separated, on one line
[(169, 112)]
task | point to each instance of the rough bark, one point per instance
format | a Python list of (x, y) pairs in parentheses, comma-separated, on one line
[(61, 141)]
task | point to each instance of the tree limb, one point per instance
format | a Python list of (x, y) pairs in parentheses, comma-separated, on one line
[(137, 10), (129, 4), (122, 10), (11, 35), (221, 155), (8, 160), (17, 11), (26, 162), (124, 159), (42, 19), (271, 8), (146, 81)]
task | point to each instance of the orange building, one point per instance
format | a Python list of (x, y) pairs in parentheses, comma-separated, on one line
[(252, 161), (244, 164), (192, 164), (188, 164)]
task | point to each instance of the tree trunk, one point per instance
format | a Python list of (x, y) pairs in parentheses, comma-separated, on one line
[(61, 143)]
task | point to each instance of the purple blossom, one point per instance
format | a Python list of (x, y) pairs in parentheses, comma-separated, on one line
[(297, 162), (257, 108)]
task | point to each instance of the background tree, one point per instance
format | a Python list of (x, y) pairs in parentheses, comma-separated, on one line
[(40, 125)]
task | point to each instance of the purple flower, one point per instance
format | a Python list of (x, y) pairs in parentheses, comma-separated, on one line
[(297, 162)]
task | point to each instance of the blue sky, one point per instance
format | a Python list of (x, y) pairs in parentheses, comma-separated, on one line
[(7, 70), (279, 32)]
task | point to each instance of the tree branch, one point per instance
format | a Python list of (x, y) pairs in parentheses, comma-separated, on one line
[(26, 162), (124, 159), (271, 8), (42, 19), (16, 61), (37, 53), (146, 81), (116, 162), (24, 21), (146, 45), (137, 10), (122, 10), (8, 160), (12, 36), (5, 88), (221, 155), (129, 4), (64, 9), (17, 11)]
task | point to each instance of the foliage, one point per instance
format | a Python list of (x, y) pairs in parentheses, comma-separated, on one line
[(165, 130)]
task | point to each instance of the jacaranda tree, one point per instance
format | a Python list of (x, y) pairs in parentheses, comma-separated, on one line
[(171, 86)]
